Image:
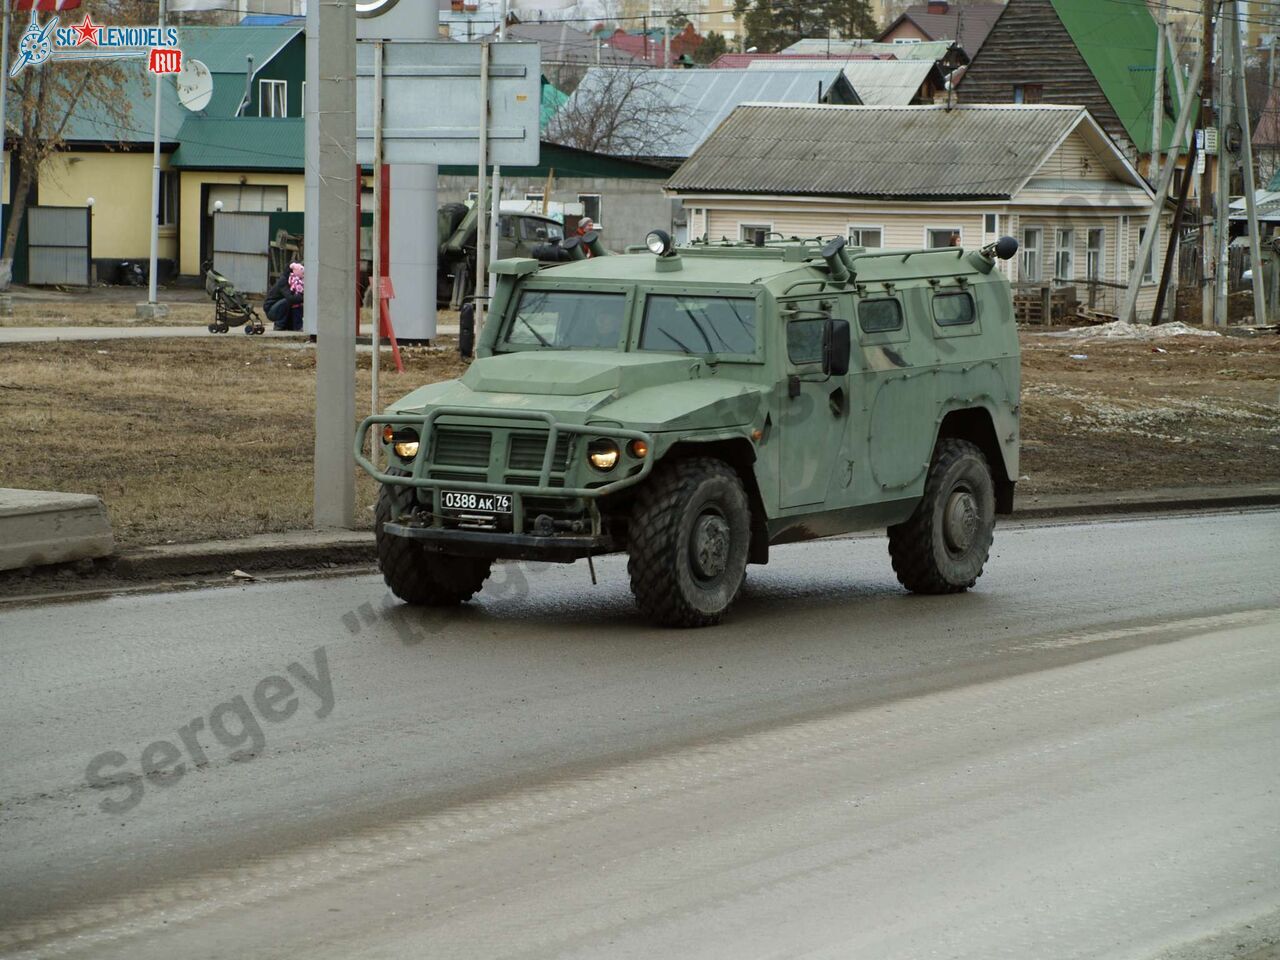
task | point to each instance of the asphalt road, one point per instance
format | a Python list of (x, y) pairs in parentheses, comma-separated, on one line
[(1077, 759)]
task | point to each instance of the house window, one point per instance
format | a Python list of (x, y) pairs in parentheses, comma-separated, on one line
[(168, 198), (990, 224), (1064, 258), (590, 206), (935, 237), (1032, 242), (870, 237), (1149, 268), (1094, 253), (273, 98), (756, 233), (728, 18), (534, 197), (1028, 92)]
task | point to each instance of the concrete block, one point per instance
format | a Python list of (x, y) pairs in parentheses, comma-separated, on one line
[(37, 527), (151, 311)]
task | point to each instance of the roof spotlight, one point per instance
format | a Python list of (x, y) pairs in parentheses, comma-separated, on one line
[(659, 243)]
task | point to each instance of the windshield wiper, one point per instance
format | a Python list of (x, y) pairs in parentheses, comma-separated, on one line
[(541, 339)]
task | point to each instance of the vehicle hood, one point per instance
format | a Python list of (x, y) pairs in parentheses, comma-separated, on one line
[(644, 391)]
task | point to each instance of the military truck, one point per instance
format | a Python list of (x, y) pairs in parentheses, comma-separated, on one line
[(519, 235), (695, 407)]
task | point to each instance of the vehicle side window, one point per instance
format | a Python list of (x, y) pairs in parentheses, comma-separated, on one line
[(953, 309), (879, 316), (506, 226), (692, 324), (529, 230), (804, 340)]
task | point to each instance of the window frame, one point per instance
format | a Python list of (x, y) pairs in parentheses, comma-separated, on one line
[(1067, 276), (266, 84), (599, 198), (1149, 268), (1101, 259), (902, 317), (954, 325), (170, 199), (959, 230), (1026, 249), (851, 227)]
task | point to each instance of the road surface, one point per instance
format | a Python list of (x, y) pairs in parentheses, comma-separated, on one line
[(1077, 759)]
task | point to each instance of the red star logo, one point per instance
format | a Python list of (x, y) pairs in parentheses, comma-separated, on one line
[(88, 31)]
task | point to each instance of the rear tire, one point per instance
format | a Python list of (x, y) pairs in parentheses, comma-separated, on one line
[(943, 546), (414, 574), (689, 536)]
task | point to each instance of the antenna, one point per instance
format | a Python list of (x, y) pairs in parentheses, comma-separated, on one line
[(195, 85)]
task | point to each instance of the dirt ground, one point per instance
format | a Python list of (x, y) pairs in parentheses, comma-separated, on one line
[(196, 439), (1178, 411), (92, 313)]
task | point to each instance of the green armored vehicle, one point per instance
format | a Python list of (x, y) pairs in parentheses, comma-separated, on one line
[(694, 407)]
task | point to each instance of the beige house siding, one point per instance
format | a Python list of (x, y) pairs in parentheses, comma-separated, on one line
[(905, 227), (1075, 160)]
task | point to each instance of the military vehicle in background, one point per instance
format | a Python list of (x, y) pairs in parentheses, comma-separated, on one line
[(519, 235), (696, 407)]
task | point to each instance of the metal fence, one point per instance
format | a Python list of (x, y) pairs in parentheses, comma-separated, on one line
[(242, 249), (58, 240)]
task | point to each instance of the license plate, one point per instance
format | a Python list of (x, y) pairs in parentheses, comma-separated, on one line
[(475, 502)]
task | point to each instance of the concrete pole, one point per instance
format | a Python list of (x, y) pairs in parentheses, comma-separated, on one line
[(482, 222), (331, 186), (1157, 106), (1255, 245), (5, 268), (496, 187), (1207, 121), (378, 213), (152, 309), (1129, 310), (1222, 209)]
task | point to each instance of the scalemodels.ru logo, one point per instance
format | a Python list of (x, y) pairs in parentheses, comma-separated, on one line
[(95, 41)]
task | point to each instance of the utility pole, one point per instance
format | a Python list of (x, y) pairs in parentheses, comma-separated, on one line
[(1157, 106), (330, 254), (6, 268), (1222, 209), (482, 221), (496, 188), (151, 309), (1246, 147), (1207, 121)]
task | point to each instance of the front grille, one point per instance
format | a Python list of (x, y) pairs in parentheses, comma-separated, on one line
[(523, 480), (528, 449), (461, 448), (457, 475)]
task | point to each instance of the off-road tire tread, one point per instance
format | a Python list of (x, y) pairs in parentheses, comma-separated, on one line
[(416, 576), (654, 524), (911, 542)]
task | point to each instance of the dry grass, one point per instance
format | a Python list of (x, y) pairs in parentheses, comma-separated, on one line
[(184, 440), (195, 439), (96, 313)]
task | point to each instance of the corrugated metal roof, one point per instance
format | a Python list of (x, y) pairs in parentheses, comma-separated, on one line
[(880, 83), (692, 103), (224, 49), (817, 46), (925, 152), (241, 143), (969, 24)]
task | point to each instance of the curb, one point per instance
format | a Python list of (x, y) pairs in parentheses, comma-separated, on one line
[(306, 550)]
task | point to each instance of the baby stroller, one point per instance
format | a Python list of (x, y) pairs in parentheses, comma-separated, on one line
[(230, 307)]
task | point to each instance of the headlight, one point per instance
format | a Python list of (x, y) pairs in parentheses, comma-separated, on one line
[(403, 441), (603, 454)]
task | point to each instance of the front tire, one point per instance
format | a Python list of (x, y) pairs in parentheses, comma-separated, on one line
[(944, 545), (414, 574), (689, 536)]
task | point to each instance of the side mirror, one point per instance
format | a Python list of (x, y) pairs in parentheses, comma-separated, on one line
[(836, 347), (541, 233)]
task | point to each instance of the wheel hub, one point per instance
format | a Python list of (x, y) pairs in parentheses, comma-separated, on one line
[(960, 520), (709, 549)]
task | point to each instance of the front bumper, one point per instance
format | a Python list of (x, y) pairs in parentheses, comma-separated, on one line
[(505, 546), (540, 487)]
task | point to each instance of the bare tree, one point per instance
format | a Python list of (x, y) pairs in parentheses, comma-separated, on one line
[(623, 111), (43, 99)]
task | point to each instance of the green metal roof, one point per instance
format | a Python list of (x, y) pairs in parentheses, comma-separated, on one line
[(1118, 42), (241, 143), (222, 49), (552, 100)]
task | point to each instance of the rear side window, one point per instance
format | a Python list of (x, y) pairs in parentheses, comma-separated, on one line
[(879, 316), (690, 324), (953, 309)]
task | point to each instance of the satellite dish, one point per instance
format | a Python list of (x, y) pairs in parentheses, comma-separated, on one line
[(373, 8), (195, 85)]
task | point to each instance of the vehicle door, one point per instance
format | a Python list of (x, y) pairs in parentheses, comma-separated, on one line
[(813, 407)]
